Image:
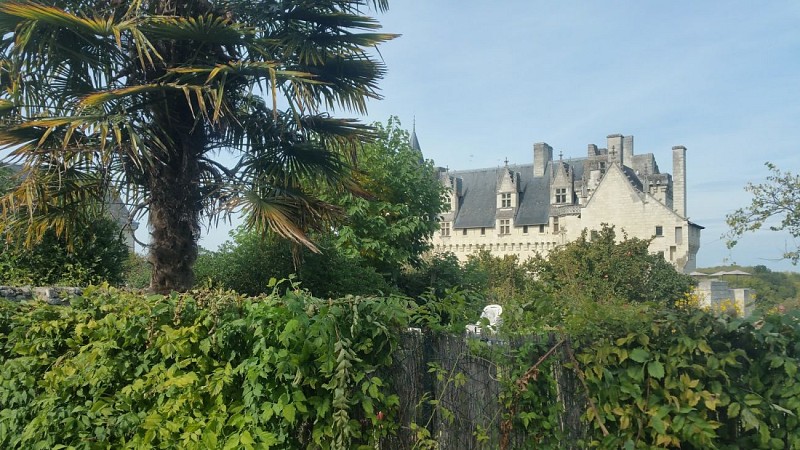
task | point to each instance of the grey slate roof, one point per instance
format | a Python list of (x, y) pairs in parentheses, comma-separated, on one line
[(478, 201), (414, 141), (479, 198)]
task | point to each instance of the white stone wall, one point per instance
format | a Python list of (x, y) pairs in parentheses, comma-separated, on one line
[(637, 214), (714, 294), (463, 242)]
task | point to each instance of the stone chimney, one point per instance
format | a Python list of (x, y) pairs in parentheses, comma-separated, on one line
[(614, 147), (542, 154), (627, 151), (679, 180)]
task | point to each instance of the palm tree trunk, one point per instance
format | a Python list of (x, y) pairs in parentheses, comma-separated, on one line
[(175, 199), (174, 221)]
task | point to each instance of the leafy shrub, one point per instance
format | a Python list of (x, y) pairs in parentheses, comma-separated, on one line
[(694, 380), (200, 370), (97, 255), (137, 272), (249, 262)]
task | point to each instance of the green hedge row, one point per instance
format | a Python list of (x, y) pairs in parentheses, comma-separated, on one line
[(289, 371), (200, 370)]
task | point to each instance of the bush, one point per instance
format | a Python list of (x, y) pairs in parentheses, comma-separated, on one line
[(201, 370), (248, 263), (137, 272), (97, 255)]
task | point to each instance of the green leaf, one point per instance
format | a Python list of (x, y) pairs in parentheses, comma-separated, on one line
[(245, 438), (232, 442), (655, 369), (658, 425), (289, 412), (749, 420), (639, 355), (733, 410)]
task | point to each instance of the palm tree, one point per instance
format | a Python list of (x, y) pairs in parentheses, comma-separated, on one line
[(143, 96)]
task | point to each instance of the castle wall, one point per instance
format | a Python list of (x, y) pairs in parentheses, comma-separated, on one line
[(638, 201), (639, 215)]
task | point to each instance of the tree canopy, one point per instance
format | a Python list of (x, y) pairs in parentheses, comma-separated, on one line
[(144, 97), (97, 252), (392, 225), (775, 203), (599, 267)]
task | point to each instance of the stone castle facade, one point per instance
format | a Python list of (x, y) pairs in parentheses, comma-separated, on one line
[(531, 209)]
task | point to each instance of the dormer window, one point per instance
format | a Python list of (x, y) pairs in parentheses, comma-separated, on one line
[(505, 200), (561, 195)]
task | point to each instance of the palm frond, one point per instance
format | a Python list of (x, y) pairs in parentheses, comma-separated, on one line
[(14, 12), (205, 28)]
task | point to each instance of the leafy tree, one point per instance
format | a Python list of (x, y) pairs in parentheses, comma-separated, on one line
[(778, 198), (97, 253), (603, 269), (437, 273), (143, 95), (391, 226), (498, 277), (249, 264), (137, 272)]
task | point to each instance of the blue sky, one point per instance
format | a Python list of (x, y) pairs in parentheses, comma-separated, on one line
[(485, 80)]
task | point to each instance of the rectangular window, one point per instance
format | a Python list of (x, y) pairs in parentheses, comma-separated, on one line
[(483, 231), (464, 232), (679, 235), (672, 250), (541, 228), (445, 229), (524, 229), (505, 226), (561, 195), (555, 224), (659, 230), (505, 200)]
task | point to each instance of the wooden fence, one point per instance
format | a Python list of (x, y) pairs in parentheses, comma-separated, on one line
[(453, 396)]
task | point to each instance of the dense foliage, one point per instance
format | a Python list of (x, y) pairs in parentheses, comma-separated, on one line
[(203, 370), (143, 95), (597, 266), (692, 380), (96, 253), (249, 261), (391, 226), (775, 204)]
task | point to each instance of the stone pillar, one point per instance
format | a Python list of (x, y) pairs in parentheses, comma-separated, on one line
[(679, 180), (542, 154)]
